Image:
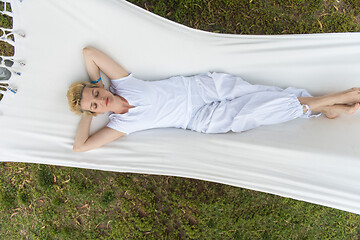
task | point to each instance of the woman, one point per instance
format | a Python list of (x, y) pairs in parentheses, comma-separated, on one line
[(208, 103)]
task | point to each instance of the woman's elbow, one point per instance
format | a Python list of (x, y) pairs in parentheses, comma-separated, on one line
[(78, 149), (88, 50)]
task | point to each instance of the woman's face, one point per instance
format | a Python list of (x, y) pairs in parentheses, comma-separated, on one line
[(98, 100)]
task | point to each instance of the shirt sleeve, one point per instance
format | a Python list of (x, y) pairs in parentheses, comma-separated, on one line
[(118, 126)]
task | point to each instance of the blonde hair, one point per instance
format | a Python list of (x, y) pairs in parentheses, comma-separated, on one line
[(74, 96)]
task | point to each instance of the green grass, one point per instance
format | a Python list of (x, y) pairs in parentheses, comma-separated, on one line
[(6, 22), (49, 202), (260, 17)]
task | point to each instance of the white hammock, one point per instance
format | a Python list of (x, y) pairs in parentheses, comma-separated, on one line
[(315, 160)]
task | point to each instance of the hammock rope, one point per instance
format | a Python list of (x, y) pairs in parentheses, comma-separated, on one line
[(7, 13), (9, 65)]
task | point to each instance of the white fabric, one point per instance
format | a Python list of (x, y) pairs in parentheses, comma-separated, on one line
[(228, 103), (158, 104), (316, 160), (207, 103)]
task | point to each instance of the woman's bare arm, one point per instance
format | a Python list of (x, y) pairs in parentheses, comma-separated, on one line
[(95, 60), (84, 143)]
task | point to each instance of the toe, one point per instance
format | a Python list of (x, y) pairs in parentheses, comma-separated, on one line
[(354, 108), (357, 106)]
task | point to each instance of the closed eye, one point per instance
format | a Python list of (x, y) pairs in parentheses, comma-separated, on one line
[(95, 94)]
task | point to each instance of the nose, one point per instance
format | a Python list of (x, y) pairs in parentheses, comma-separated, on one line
[(101, 101)]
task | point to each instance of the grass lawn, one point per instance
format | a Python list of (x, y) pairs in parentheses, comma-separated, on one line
[(50, 202)]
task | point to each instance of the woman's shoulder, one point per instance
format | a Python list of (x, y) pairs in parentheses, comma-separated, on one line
[(135, 119), (127, 77)]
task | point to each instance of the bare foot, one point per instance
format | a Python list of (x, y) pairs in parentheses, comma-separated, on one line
[(335, 110), (350, 96)]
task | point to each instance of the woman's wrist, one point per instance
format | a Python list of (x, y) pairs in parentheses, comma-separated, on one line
[(96, 81)]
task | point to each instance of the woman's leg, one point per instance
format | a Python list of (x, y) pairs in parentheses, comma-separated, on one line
[(267, 108), (334, 104), (246, 112), (214, 87)]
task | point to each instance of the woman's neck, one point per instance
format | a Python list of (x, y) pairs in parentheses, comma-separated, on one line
[(121, 105)]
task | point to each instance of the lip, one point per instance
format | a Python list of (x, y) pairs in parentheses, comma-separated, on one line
[(107, 101)]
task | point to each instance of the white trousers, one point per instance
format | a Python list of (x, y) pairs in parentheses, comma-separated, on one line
[(222, 102)]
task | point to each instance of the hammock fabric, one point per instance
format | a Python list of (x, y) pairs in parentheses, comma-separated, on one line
[(315, 160)]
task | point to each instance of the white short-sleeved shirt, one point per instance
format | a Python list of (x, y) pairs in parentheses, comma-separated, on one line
[(158, 104)]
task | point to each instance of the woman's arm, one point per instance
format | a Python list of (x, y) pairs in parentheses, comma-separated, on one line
[(84, 143), (96, 60)]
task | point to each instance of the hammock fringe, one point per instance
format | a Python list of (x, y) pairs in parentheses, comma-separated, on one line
[(9, 65), (8, 32), (7, 13)]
